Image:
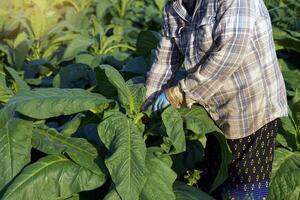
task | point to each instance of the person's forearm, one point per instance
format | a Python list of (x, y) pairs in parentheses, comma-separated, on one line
[(166, 64)]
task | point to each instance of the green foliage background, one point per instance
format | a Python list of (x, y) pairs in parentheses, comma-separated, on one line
[(72, 81)]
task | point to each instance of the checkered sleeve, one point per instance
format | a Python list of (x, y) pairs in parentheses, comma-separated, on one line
[(166, 63), (234, 26)]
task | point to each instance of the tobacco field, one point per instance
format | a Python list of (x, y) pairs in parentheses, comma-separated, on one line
[(72, 82)]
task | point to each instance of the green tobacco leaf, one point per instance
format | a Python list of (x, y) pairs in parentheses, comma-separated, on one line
[(5, 49), (146, 41), (159, 184), (88, 59), (127, 154), (102, 8), (49, 141), (160, 4), (52, 177), (112, 195), (185, 192), (73, 197), (137, 65), (5, 91), (296, 97), (197, 120), (72, 126), (125, 96), (296, 114), (77, 45), (43, 103), (20, 83), (287, 133), (6, 113), (226, 159), (285, 40), (21, 48), (15, 142), (291, 77), (285, 182), (74, 76), (187, 160), (38, 22), (138, 92), (174, 127), (104, 86)]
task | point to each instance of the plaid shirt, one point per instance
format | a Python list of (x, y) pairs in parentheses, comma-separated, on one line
[(228, 51)]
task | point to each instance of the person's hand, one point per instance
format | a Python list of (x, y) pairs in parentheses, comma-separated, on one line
[(161, 102)]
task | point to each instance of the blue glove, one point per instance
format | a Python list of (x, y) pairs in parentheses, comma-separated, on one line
[(161, 102)]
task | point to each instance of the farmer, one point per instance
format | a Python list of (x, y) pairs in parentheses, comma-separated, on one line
[(227, 49)]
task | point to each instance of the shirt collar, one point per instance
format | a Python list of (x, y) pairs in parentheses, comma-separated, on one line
[(181, 11)]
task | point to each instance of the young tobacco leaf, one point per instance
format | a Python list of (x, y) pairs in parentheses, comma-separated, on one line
[(124, 94)]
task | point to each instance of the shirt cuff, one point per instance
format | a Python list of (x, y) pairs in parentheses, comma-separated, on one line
[(177, 97)]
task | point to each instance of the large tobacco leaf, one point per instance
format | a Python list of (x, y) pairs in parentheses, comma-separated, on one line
[(15, 146), (49, 141), (43, 103), (52, 177), (126, 160), (198, 121), (285, 182), (159, 184), (174, 127)]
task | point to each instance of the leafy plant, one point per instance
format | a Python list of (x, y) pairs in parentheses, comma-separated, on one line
[(124, 159), (72, 83)]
